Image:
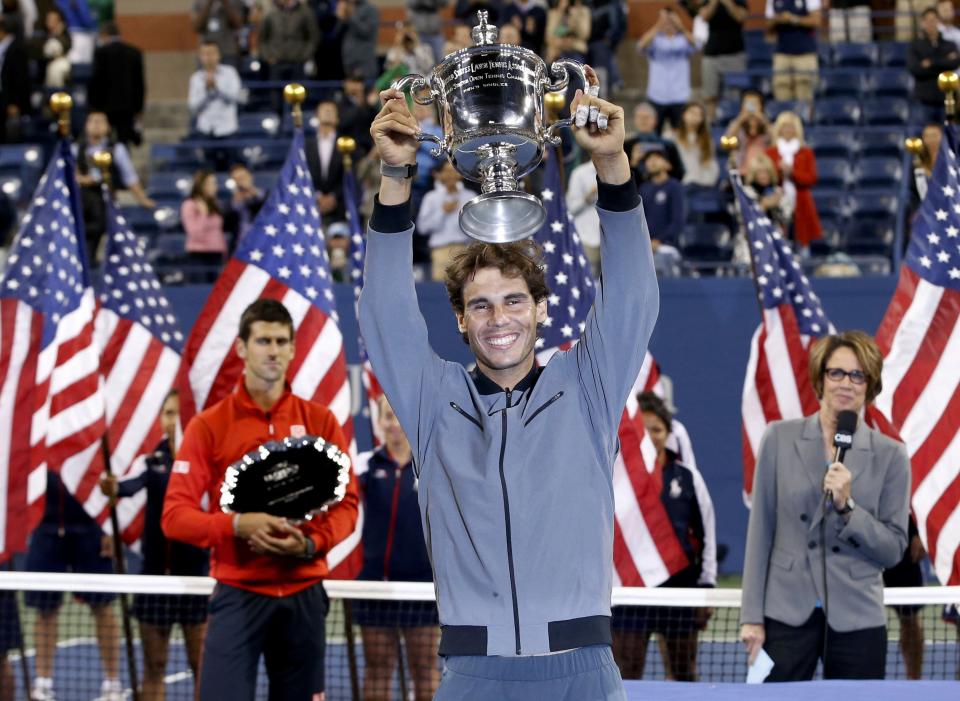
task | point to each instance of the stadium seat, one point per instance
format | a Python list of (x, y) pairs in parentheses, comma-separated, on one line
[(832, 237), (885, 111), (704, 201), (142, 222), (257, 125), (870, 237), (824, 55), (170, 246), (705, 242), (832, 143), (799, 107), (170, 185), (168, 157), (878, 172), (883, 142), (893, 54), (837, 111), (726, 110), (844, 83), (832, 205), (265, 155), (872, 205), (759, 56), (833, 173), (855, 55), (890, 82)]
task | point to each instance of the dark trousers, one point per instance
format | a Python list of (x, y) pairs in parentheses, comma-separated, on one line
[(858, 654), (288, 631), (123, 123)]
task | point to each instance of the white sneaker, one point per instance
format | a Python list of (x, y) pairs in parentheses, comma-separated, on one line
[(42, 690), (112, 690)]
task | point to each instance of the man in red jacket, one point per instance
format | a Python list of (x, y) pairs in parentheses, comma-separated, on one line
[(269, 598)]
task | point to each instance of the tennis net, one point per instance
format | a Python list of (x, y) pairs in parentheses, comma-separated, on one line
[(658, 634)]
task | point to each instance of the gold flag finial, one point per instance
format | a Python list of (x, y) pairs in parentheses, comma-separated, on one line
[(103, 160), (346, 145), (948, 82), (554, 102), (61, 103), (295, 94)]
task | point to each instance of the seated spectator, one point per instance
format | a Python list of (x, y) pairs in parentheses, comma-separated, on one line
[(929, 55), (337, 236), (724, 50), (212, 98), (762, 184), (356, 109), (530, 19), (439, 217), (798, 174), (123, 176), (244, 205), (663, 200), (202, 219), (794, 23), (668, 46), (359, 27), (394, 549), (645, 137), (14, 82), (695, 145), (54, 44), (568, 30), (220, 21), (288, 39), (509, 35), (850, 21), (751, 127), (410, 52), (581, 198), (326, 163), (947, 16)]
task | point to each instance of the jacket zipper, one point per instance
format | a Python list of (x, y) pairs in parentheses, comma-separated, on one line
[(391, 529), (542, 407), (506, 518), (466, 415)]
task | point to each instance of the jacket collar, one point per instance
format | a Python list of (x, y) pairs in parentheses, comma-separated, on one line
[(487, 386), (243, 398), (814, 462)]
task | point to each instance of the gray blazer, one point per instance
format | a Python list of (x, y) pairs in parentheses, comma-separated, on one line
[(782, 574)]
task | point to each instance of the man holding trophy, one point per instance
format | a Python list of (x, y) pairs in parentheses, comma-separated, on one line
[(288, 459), (514, 461)]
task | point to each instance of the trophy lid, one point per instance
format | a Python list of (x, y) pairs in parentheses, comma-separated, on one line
[(485, 33)]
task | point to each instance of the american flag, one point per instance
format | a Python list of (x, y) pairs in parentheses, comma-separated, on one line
[(51, 404), (358, 253), (140, 343), (920, 339), (777, 383), (282, 257), (646, 549)]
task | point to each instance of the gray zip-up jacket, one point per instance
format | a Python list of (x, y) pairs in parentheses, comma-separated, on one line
[(516, 491)]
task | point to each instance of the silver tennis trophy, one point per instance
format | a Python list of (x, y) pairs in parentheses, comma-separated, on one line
[(490, 103), (294, 478)]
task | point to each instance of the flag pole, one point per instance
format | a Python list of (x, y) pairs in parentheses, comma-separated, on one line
[(103, 161), (730, 144), (554, 103)]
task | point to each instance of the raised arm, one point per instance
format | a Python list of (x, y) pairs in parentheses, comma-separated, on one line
[(612, 346), (391, 324)]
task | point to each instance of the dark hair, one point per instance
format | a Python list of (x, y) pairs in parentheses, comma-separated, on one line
[(9, 24), (196, 190), (238, 165), (269, 310), (652, 404), (174, 393), (110, 29), (930, 10), (862, 345), (208, 40), (516, 259)]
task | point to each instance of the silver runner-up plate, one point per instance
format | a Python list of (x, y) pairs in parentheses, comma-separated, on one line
[(293, 478)]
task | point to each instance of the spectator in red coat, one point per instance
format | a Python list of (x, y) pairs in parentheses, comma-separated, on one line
[(798, 173)]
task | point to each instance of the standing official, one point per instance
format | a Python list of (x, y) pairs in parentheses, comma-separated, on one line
[(514, 460), (269, 598)]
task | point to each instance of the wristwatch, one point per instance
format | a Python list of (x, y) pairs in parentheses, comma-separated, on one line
[(406, 172), (848, 507), (310, 549)]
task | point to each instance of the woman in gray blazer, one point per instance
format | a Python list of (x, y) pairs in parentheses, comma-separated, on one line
[(821, 532)]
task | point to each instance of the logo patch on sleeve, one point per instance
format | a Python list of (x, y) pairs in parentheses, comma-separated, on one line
[(181, 466)]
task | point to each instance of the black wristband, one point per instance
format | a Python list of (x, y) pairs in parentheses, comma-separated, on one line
[(618, 198), (390, 218)]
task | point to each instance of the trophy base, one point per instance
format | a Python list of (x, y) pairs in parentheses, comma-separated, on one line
[(502, 216)]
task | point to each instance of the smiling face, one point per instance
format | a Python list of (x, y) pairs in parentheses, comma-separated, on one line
[(842, 395), (657, 430), (500, 320), (267, 352)]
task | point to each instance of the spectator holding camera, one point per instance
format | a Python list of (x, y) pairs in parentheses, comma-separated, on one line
[(668, 46), (407, 50), (751, 127)]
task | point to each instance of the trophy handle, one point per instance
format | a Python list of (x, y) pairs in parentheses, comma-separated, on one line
[(416, 83), (560, 70), (441, 144)]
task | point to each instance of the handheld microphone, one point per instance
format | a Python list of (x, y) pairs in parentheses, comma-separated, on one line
[(843, 439)]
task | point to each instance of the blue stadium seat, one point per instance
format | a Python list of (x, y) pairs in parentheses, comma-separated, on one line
[(142, 222), (265, 155), (832, 143), (258, 125), (843, 83), (759, 55), (170, 185), (170, 246), (704, 201), (706, 242), (891, 82), (872, 205), (838, 111), (893, 54), (775, 107), (854, 55), (833, 173), (884, 142), (870, 237), (252, 69), (832, 205), (165, 157), (878, 172), (832, 236), (824, 55), (886, 111), (726, 110)]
